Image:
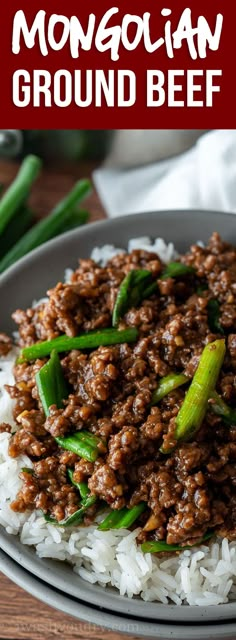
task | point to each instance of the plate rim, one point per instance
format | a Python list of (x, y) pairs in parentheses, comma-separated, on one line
[(107, 620)]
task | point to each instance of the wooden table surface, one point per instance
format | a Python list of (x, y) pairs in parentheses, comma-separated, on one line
[(22, 617)]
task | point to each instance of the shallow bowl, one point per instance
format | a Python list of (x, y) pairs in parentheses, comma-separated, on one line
[(29, 279)]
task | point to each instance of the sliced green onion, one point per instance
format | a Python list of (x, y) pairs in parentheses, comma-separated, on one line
[(150, 290), (51, 384), (90, 340), (131, 516), (195, 404), (168, 384), (162, 547), (81, 486), (112, 519), (176, 270), (122, 518), (221, 409), (135, 287), (83, 443), (75, 518), (201, 288), (83, 489), (213, 309)]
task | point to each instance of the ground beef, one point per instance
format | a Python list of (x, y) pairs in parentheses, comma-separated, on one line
[(122, 448), (5, 344), (105, 484), (5, 427), (189, 487)]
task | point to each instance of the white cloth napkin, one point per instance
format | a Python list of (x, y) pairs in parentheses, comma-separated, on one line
[(202, 178)]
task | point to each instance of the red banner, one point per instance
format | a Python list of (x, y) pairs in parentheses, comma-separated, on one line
[(140, 65)]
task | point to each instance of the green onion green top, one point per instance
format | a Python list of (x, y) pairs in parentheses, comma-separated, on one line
[(168, 384), (220, 408), (137, 285), (17, 226), (213, 309), (83, 443), (48, 227), (161, 546), (18, 191), (122, 518), (51, 384), (90, 340), (176, 270), (81, 486)]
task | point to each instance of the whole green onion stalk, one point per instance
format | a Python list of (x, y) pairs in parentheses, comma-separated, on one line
[(48, 227), (18, 192)]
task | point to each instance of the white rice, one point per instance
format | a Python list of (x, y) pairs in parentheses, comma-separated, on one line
[(204, 576), (166, 252)]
